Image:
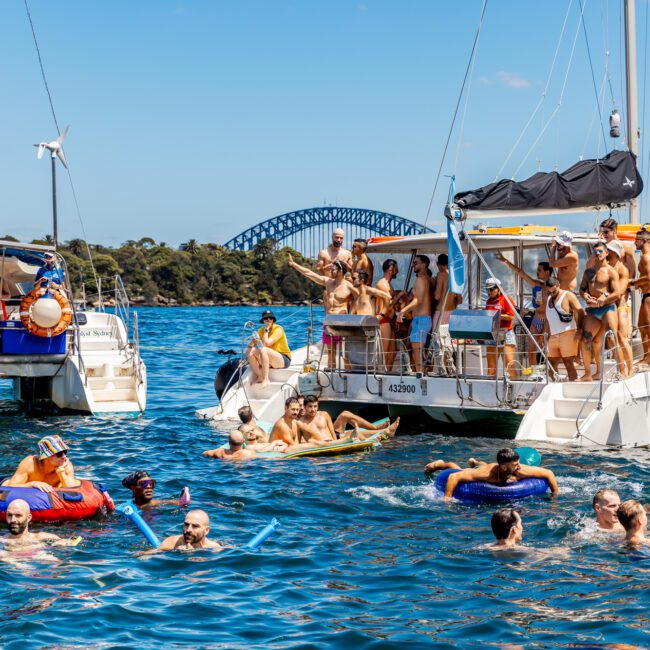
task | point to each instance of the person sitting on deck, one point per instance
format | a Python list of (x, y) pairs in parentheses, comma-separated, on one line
[(50, 273), (246, 416), (235, 451), (507, 469), (142, 487), (499, 301), (605, 504), (508, 529), (268, 349), (49, 470), (634, 520)]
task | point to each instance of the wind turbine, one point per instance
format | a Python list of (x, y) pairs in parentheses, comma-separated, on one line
[(56, 149)]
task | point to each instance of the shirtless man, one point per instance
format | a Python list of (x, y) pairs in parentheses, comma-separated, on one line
[(606, 503), (142, 487), (289, 427), (445, 302), (600, 290), (253, 444), (507, 469), (508, 529), (235, 449), (246, 416), (346, 418), (18, 518), (565, 260), (338, 295), (608, 231), (642, 284), (195, 535), (320, 421), (334, 252), (539, 300), (615, 256), (49, 470), (360, 261), (386, 312), (421, 307), (365, 303), (634, 520)]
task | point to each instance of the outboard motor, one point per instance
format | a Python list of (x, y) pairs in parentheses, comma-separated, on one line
[(227, 375)]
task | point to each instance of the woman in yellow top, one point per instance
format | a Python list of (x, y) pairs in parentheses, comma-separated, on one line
[(268, 349)]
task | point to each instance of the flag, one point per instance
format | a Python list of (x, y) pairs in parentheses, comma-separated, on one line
[(456, 259)]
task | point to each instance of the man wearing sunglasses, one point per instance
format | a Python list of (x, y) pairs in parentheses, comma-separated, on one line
[(142, 486), (608, 232), (565, 260), (48, 470)]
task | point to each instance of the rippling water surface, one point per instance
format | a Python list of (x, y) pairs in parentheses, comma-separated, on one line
[(367, 555)]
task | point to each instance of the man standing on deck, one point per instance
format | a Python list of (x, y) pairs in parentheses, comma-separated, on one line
[(386, 312), (565, 260), (334, 253), (360, 261), (364, 303), (338, 295), (615, 256), (421, 306), (600, 290), (445, 302), (642, 284), (608, 231)]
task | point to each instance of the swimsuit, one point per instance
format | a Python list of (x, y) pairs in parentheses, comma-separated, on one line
[(420, 329), (599, 312), (327, 339), (644, 296)]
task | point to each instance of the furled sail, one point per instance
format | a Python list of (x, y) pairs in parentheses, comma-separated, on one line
[(610, 181)]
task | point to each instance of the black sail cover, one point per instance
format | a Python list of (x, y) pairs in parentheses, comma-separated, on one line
[(611, 180)]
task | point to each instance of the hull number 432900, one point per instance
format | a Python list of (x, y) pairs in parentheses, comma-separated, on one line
[(401, 388)]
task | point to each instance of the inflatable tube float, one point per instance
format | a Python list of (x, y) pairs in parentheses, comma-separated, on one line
[(480, 492), (85, 501), (338, 449)]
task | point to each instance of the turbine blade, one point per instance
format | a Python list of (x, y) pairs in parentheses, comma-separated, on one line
[(41, 149), (59, 153), (61, 138)]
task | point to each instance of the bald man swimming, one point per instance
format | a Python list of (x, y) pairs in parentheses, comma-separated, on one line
[(20, 537), (235, 451), (195, 535)]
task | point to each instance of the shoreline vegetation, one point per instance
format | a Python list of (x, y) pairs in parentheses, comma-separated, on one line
[(194, 274)]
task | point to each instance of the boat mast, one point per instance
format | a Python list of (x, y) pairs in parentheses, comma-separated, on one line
[(631, 89)]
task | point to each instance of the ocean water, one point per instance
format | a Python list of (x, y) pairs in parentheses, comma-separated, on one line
[(367, 555)]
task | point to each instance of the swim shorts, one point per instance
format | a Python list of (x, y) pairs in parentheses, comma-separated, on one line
[(563, 344), (420, 329), (599, 312), (327, 339), (287, 360)]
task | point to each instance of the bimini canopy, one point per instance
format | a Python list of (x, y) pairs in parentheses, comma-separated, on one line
[(603, 183)]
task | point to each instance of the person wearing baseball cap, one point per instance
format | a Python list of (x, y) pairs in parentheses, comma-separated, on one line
[(268, 349), (498, 301), (50, 273), (565, 260), (615, 257), (50, 468)]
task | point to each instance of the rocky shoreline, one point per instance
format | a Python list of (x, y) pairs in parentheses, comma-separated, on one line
[(161, 301)]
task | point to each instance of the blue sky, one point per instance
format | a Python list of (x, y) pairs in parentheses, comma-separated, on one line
[(199, 119)]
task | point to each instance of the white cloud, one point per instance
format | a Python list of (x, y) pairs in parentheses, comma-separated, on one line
[(513, 80)]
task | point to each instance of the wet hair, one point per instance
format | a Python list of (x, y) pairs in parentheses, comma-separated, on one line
[(339, 265), (132, 479), (552, 282), (245, 414), (310, 399), (546, 266), (363, 276), (443, 260), (507, 455), (601, 494), (629, 512), (424, 259), (388, 264), (362, 243), (289, 401), (502, 522), (610, 224)]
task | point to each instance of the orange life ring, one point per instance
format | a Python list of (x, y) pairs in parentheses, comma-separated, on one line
[(34, 328)]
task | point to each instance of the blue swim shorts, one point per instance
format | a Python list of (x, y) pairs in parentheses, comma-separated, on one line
[(420, 329), (599, 312)]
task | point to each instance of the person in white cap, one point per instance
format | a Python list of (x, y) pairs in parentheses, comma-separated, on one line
[(565, 260), (50, 273), (615, 256), (497, 300)]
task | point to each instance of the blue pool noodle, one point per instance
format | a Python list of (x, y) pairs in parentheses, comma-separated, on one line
[(260, 538), (131, 512)]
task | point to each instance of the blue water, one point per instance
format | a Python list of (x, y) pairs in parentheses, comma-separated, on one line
[(367, 555)]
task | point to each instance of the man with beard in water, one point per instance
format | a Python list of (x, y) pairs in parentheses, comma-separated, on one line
[(195, 535), (507, 469), (142, 487)]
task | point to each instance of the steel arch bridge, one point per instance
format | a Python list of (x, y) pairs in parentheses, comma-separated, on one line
[(309, 230)]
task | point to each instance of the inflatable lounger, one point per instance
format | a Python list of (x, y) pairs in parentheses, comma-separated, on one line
[(63, 504)]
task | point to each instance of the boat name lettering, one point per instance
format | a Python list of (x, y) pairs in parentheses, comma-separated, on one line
[(401, 388), (95, 333)]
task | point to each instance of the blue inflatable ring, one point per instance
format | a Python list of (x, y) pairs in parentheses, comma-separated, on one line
[(481, 492)]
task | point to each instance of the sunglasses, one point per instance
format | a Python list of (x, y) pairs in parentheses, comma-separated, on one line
[(267, 318), (605, 231), (598, 251), (61, 454), (146, 483)]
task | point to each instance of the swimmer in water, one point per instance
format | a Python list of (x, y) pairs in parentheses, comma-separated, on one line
[(195, 535), (507, 469), (142, 487), (50, 469), (253, 443), (246, 416), (508, 529), (20, 537), (606, 503), (235, 451), (634, 520)]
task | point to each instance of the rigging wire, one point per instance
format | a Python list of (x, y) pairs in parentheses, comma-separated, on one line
[(460, 96), (58, 130), (644, 154)]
